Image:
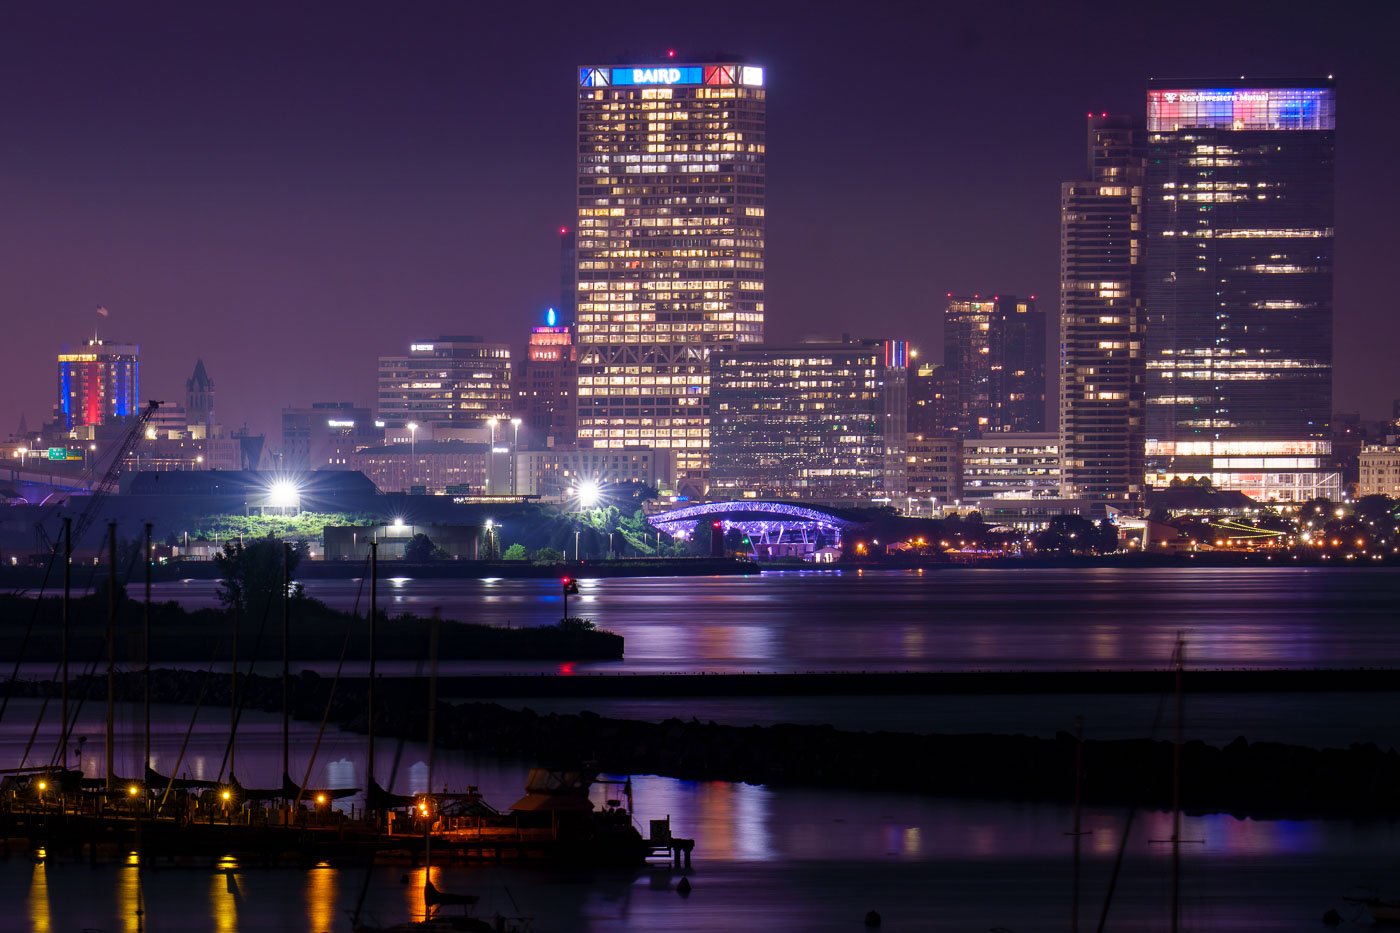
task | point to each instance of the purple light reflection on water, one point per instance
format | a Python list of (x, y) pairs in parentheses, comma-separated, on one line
[(948, 619)]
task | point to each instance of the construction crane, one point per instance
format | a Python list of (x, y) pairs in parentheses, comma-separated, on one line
[(125, 447)]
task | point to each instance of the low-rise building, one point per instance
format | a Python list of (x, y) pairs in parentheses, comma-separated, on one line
[(557, 474), (427, 467), (1380, 471)]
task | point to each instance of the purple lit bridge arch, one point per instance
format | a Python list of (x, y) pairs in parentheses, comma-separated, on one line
[(770, 526)]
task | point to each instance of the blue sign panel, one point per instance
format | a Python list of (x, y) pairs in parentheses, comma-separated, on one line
[(660, 74)]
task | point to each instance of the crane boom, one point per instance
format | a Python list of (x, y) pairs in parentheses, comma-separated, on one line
[(125, 447)]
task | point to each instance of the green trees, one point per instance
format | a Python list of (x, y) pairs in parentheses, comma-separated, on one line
[(548, 555), (252, 572), (419, 549), (515, 552)]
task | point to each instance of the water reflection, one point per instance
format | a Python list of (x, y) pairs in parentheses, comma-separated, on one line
[(322, 898), (224, 897), (946, 618), (130, 908), (40, 920)]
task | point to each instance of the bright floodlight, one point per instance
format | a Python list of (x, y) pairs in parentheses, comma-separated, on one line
[(588, 494), (398, 523), (283, 494)]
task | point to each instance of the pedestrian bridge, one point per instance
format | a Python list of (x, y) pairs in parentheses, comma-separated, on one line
[(773, 528)]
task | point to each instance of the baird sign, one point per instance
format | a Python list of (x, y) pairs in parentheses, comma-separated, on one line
[(660, 75)]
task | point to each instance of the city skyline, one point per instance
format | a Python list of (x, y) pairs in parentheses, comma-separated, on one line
[(310, 180)]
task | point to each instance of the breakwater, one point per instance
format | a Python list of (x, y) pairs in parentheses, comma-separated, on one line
[(316, 632), (1259, 779)]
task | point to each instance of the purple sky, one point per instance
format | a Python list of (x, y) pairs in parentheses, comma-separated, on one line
[(290, 189)]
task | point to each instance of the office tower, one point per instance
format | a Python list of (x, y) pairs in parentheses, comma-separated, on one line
[(932, 395), (670, 245), (324, 435), (449, 382), (821, 422), (1010, 466), (934, 467), (1102, 268), (994, 348), (1239, 206), (199, 398), (545, 396), (99, 383)]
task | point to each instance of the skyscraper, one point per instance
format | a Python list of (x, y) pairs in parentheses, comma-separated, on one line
[(547, 383), (1102, 265), (994, 353), (670, 247), (821, 422), (1239, 208), (99, 383)]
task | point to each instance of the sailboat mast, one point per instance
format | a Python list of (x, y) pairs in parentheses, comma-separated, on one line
[(146, 637), (67, 593), (286, 648), (233, 695), (1078, 781), (111, 647), (1176, 789), (369, 694)]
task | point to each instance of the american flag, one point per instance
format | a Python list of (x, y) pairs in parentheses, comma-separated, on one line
[(102, 311)]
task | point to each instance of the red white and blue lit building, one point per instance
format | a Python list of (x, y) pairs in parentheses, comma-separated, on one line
[(98, 383)]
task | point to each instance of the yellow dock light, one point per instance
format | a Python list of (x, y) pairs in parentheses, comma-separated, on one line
[(320, 798), (43, 785), (132, 790), (227, 795)]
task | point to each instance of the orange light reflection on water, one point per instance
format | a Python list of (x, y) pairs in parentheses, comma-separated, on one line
[(40, 920), (223, 897), (322, 890)]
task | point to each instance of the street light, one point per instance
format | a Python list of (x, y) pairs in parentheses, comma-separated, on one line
[(587, 492), (514, 446), (413, 438), (491, 453)]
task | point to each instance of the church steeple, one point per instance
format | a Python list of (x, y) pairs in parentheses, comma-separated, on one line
[(199, 397)]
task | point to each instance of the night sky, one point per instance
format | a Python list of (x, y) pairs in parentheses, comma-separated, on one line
[(289, 190)]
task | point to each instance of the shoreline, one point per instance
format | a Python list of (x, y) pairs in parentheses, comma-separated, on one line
[(1266, 780)]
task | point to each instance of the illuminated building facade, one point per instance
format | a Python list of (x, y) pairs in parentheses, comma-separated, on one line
[(1011, 466), (1102, 269), (1379, 471), (448, 382), (670, 248), (425, 467), (323, 436), (932, 395), (557, 474), (99, 383), (934, 471), (994, 351), (821, 422), (1239, 219), (546, 387)]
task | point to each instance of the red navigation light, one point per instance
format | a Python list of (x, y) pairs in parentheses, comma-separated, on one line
[(714, 524), (566, 581), (1103, 114), (563, 230), (671, 53)]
